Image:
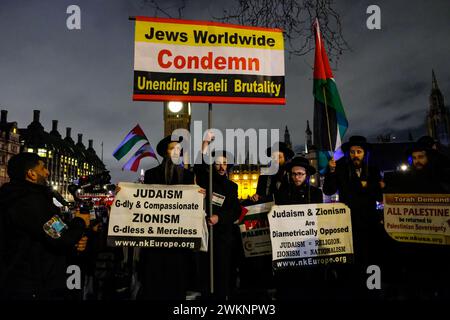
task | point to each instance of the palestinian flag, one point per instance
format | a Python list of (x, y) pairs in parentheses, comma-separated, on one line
[(330, 122), (145, 151), (133, 137)]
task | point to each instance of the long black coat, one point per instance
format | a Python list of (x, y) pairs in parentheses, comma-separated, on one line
[(361, 200), (163, 272), (414, 181), (410, 263), (33, 264), (268, 185), (300, 284), (223, 230), (366, 220), (289, 194)]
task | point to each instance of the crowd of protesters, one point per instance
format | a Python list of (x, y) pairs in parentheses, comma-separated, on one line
[(38, 243)]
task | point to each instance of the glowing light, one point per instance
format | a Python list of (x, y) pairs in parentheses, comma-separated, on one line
[(175, 106)]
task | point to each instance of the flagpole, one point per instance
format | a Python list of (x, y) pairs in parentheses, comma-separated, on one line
[(211, 244), (328, 119)]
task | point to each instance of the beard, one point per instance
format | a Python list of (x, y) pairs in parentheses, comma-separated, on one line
[(41, 180), (357, 163)]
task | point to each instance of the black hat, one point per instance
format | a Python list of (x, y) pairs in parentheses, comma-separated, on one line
[(301, 162), (281, 147), (356, 141), (427, 141), (416, 147), (161, 148)]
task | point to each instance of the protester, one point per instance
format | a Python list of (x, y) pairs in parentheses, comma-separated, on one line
[(164, 272), (35, 241), (256, 272), (269, 184), (358, 184), (307, 283), (410, 263), (226, 210)]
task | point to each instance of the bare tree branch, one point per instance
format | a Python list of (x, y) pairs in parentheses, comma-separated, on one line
[(294, 17), (165, 9)]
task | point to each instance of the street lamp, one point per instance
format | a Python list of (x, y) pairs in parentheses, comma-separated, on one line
[(175, 106)]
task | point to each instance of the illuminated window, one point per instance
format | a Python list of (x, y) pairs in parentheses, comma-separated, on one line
[(245, 177), (254, 177), (30, 150), (42, 153)]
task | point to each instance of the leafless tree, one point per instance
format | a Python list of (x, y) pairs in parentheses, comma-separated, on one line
[(294, 17)]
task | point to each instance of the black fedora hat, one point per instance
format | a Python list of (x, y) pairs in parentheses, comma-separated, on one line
[(427, 141), (417, 147), (161, 148), (359, 141), (281, 147), (301, 162)]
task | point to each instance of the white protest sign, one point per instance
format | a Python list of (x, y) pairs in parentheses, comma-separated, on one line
[(311, 234), (158, 216)]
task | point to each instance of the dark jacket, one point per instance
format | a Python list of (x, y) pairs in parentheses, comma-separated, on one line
[(360, 200), (223, 235), (290, 194), (158, 175), (414, 181), (269, 184), (164, 273), (34, 264), (230, 209), (297, 284)]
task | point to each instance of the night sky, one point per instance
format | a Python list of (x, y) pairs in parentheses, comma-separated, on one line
[(84, 78)]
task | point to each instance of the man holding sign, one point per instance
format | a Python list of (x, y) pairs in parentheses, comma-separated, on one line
[(164, 272), (225, 210), (359, 186), (417, 219), (295, 283)]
